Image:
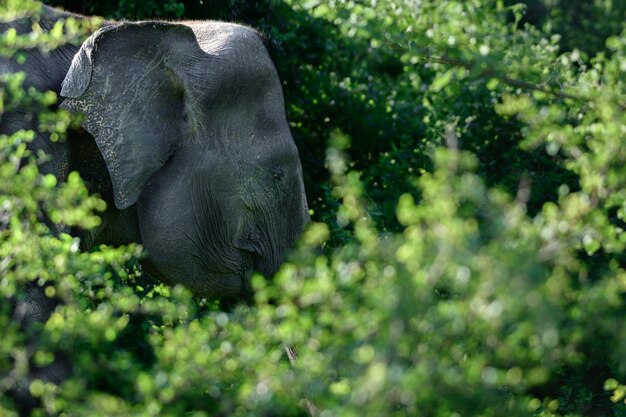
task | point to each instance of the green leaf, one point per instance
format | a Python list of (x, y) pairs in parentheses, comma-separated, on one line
[(442, 80)]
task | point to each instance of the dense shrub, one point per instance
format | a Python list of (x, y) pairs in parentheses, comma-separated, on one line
[(468, 257), (582, 25)]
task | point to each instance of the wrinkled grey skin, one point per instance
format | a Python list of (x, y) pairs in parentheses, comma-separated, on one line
[(194, 152), (190, 122), (187, 142)]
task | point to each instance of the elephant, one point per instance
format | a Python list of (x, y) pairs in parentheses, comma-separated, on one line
[(186, 139), (184, 136)]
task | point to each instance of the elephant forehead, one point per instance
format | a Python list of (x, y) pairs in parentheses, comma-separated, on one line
[(238, 52), (217, 38)]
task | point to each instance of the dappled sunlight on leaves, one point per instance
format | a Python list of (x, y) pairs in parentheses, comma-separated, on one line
[(466, 256)]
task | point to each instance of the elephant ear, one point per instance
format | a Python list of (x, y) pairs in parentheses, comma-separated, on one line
[(124, 80)]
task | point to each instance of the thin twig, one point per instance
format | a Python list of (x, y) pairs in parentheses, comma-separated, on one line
[(444, 59), (292, 354), (507, 80)]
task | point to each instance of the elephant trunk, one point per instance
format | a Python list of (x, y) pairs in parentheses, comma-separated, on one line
[(274, 233)]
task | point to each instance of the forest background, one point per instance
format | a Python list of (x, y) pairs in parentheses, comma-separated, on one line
[(466, 173)]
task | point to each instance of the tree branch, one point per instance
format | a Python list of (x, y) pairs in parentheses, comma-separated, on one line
[(507, 80)]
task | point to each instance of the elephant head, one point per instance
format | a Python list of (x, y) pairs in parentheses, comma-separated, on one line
[(190, 121)]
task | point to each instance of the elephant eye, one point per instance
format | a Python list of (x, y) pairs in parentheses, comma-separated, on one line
[(278, 174)]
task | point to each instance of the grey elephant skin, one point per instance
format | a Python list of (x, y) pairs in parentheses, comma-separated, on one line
[(185, 136), (187, 141)]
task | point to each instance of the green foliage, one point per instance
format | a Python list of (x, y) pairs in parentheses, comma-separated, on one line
[(468, 257), (125, 9), (583, 25), (393, 76)]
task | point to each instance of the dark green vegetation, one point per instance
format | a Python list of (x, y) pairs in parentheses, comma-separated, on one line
[(467, 169)]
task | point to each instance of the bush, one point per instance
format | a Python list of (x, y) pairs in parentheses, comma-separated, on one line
[(468, 257), (583, 25)]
